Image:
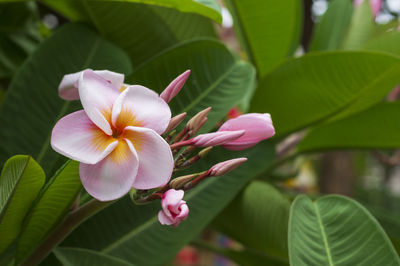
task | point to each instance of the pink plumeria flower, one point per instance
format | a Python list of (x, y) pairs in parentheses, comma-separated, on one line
[(375, 5), (116, 138), (257, 127), (174, 209)]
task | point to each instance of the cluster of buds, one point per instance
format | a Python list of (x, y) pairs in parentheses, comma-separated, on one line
[(124, 130), (239, 133)]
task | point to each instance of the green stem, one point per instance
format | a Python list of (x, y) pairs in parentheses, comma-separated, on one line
[(73, 220)]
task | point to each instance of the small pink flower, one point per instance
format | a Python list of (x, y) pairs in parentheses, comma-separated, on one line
[(257, 128), (116, 138), (174, 209), (175, 87), (375, 5)]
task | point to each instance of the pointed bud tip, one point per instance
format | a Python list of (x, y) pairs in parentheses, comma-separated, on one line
[(225, 167)]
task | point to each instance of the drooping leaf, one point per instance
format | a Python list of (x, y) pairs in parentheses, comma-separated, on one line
[(143, 30), (28, 129), (374, 128), (50, 209), (20, 181), (86, 257), (257, 218), (267, 29), (325, 84), (133, 233), (336, 230), (332, 28), (217, 78)]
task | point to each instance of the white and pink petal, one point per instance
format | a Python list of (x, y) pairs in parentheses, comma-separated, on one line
[(77, 137), (145, 105), (112, 177), (97, 97), (155, 157), (68, 88)]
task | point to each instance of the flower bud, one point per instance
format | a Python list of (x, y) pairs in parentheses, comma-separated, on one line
[(225, 167), (257, 128), (175, 86), (197, 121), (216, 138), (181, 180), (175, 121), (375, 5), (174, 209)]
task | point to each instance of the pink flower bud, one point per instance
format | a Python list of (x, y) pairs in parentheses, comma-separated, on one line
[(175, 121), (175, 86), (197, 121), (225, 167), (257, 128), (375, 5), (174, 209), (215, 138)]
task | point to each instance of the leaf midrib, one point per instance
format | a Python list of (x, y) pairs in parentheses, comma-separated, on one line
[(323, 234)]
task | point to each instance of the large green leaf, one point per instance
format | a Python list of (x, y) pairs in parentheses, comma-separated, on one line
[(267, 29), (217, 79), (311, 88), (20, 181), (145, 30), (32, 106), (387, 42), (53, 204), (258, 218), (374, 128), (132, 232), (335, 230), (332, 28), (87, 257), (207, 8)]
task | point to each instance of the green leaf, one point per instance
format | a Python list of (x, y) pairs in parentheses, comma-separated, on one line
[(207, 8), (336, 230), (373, 129), (34, 87), (361, 28), (132, 232), (267, 29), (86, 257), (142, 30), (332, 28), (20, 181), (387, 42), (325, 84), (258, 218), (51, 208), (217, 79)]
